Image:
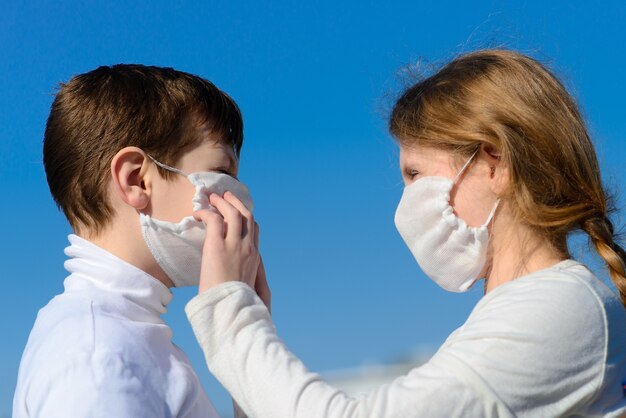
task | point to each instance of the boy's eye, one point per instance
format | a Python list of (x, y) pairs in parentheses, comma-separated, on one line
[(219, 170), (225, 171), (411, 173)]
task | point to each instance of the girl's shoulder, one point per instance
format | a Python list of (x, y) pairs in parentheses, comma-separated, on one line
[(556, 337), (567, 291), (566, 300)]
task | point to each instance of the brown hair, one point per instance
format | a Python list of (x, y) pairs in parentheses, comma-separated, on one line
[(96, 114), (513, 103)]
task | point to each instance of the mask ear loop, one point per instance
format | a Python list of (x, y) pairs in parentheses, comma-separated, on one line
[(167, 167), (467, 163), (460, 173), (492, 213)]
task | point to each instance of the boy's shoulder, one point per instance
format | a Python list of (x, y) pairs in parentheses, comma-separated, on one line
[(79, 345), (83, 353), (74, 331)]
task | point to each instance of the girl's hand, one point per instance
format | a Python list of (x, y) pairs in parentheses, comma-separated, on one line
[(262, 288), (230, 251)]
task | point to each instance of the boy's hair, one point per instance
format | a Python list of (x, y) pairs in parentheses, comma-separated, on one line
[(96, 114)]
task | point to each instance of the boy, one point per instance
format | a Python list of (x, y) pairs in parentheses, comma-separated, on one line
[(116, 142)]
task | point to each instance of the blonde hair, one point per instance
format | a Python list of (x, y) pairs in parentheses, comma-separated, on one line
[(513, 103)]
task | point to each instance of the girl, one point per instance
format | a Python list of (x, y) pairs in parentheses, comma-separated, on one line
[(499, 169)]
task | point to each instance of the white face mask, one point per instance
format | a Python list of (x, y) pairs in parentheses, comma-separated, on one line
[(177, 247), (449, 251)]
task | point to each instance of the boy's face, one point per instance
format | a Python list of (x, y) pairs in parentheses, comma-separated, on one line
[(171, 199)]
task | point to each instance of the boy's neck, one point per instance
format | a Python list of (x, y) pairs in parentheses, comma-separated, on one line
[(127, 243)]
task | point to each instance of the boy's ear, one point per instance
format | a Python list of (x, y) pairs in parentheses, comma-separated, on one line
[(128, 170), (499, 173)]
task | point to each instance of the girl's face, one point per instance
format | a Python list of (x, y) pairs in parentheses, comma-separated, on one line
[(473, 196)]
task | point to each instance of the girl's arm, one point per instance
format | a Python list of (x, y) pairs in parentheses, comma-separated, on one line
[(242, 350)]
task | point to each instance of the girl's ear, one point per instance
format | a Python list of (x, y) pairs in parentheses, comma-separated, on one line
[(128, 171), (498, 172)]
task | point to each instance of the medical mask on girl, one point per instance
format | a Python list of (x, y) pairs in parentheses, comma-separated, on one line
[(177, 247), (449, 251)]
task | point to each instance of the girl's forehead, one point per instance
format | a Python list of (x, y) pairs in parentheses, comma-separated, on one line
[(424, 155)]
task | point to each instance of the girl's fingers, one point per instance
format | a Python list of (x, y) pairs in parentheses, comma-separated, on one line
[(248, 217), (232, 217), (234, 200), (262, 287), (256, 235), (214, 223)]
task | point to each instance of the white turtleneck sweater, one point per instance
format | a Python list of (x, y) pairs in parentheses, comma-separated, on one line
[(101, 349), (550, 344)]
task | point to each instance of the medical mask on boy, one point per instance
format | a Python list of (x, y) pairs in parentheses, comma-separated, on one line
[(177, 247), (449, 251)]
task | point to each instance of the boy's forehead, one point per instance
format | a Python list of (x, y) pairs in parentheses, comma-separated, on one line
[(216, 148), (215, 138), (212, 152)]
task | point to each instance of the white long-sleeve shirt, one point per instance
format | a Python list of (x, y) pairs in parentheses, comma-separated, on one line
[(101, 349), (552, 343)]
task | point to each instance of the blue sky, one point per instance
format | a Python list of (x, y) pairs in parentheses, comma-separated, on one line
[(313, 80)]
